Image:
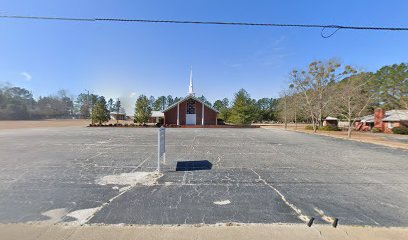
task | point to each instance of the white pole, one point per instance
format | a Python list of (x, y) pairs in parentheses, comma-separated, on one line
[(164, 147), (158, 151), (202, 114), (178, 114)]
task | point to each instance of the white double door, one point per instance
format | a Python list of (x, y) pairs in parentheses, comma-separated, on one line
[(191, 119)]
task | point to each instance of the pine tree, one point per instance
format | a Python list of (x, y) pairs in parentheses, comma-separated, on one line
[(243, 109), (142, 109), (100, 112)]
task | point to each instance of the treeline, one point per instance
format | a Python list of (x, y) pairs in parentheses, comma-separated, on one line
[(18, 103), (326, 88), (162, 102)]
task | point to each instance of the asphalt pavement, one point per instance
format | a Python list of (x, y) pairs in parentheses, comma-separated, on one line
[(210, 176)]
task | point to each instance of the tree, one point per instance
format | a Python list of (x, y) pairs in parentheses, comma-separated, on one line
[(204, 100), (176, 99), (169, 100), (84, 104), (100, 112), (117, 107), (220, 104), (223, 106), (392, 85), (111, 105), (160, 103), (17, 103), (266, 109), (152, 99), (352, 98), (142, 109), (243, 108), (316, 86)]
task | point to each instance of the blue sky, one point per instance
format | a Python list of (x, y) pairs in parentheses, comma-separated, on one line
[(127, 59)]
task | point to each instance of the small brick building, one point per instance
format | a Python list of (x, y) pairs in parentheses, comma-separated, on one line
[(190, 111)]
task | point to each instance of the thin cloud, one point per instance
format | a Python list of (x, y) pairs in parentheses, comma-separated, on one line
[(280, 39), (132, 94), (26, 76)]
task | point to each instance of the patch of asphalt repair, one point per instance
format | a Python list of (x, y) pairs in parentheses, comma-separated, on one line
[(268, 176), (132, 179)]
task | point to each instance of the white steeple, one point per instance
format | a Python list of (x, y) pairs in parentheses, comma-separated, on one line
[(190, 88)]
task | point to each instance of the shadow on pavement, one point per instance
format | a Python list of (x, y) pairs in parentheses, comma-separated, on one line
[(193, 165)]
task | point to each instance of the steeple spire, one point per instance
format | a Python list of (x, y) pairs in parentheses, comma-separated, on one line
[(190, 88)]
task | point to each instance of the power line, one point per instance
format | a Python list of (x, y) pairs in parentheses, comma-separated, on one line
[(252, 24)]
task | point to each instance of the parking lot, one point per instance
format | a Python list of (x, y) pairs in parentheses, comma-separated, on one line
[(78, 175)]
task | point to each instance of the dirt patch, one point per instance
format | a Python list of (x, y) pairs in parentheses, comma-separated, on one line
[(42, 124), (52, 123), (368, 137), (218, 231), (131, 179)]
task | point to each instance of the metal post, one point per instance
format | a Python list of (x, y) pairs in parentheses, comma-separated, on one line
[(158, 150), (164, 147), (161, 146), (117, 111), (178, 114)]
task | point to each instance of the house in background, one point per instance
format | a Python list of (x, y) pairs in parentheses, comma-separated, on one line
[(190, 111), (156, 117), (394, 118), (331, 121), (117, 116), (383, 120)]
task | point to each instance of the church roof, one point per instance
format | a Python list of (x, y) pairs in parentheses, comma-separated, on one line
[(190, 96)]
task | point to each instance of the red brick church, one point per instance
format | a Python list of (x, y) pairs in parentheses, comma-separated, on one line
[(190, 111)]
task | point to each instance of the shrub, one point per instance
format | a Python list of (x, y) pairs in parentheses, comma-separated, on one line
[(330, 128), (400, 130), (309, 127), (376, 130)]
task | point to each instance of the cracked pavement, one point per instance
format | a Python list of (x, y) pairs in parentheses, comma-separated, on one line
[(259, 176)]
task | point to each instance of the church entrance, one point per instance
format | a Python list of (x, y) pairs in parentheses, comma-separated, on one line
[(191, 112)]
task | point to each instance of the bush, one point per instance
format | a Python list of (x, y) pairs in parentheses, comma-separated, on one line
[(330, 128), (376, 130), (309, 127), (324, 128), (400, 130)]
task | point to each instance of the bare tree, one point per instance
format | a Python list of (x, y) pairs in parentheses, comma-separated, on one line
[(316, 86), (353, 96)]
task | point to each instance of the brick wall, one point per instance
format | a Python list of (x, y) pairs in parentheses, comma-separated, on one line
[(210, 116), (199, 108), (170, 117), (387, 128), (379, 114)]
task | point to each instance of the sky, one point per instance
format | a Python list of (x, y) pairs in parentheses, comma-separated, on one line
[(124, 60)]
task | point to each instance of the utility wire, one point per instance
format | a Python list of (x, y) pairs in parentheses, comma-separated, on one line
[(321, 26)]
